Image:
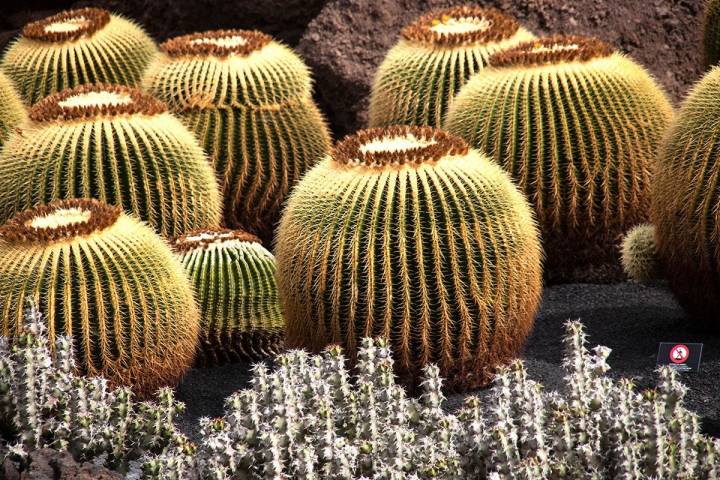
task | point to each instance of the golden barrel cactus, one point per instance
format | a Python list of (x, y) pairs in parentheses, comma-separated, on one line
[(76, 47), (107, 281), (12, 111), (234, 280), (711, 33), (115, 144), (249, 101), (640, 255), (405, 233), (578, 126), (434, 57)]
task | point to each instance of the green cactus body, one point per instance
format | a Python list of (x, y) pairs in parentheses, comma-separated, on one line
[(711, 33), (578, 127), (76, 47), (12, 110), (406, 233), (115, 144), (234, 280), (686, 194), (106, 280), (434, 57), (249, 101), (639, 254)]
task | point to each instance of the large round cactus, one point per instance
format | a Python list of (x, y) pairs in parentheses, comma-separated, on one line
[(12, 110), (249, 101), (115, 144), (578, 127), (234, 280), (434, 57), (106, 280), (711, 32), (686, 195), (404, 232), (76, 47)]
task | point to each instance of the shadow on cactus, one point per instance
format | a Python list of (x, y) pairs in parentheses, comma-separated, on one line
[(76, 47), (115, 144), (249, 101), (12, 111), (578, 126), (233, 276), (434, 57), (406, 233), (106, 281)]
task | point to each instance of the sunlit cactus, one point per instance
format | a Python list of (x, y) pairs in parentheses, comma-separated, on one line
[(108, 282), (249, 101), (639, 254), (434, 57), (711, 32), (118, 145), (406, 233), (75, 47), (12, 110), (234, 280), (578, 126)]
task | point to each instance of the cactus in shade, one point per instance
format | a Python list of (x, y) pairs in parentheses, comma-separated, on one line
[(106, 281), (639, 254), (404, 232), (249, 101), (686, 192), (118, 145), (711, 32), (234, 280), (578, 127), (435, 56), (76, 47), (12, 110)]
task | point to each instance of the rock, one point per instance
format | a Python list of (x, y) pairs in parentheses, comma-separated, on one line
[(53, 464)]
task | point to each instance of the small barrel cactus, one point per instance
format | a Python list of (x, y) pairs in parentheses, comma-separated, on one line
[(249, 101), (686, 194), (118, 145), (639, 254), (75, 47), (405, 233), (108, 282), (234, 280), (434, 57), (12, 110), (711, 32), (578, 126)]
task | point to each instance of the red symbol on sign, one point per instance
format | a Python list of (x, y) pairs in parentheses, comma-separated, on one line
[(679, 354)]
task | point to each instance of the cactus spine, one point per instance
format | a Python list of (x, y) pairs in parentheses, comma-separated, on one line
[(115, 144), (434, 57), (234, 280), (639, 254), (406, 233), (12, 110), (76, 47), (108, 282), (249, 101), (578, 126), (711, 33)]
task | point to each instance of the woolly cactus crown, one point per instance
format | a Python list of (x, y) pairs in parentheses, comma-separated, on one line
[(67, 26), (553, 50)]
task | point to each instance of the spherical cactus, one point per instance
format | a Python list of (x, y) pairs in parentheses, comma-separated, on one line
[(639, 254), (234, 280), (76, 47), (115, 144), (578, 127), (686, 195), (106, 280), (12, 110), (434, 57), (711, 32), (249, 101), (405, 233)]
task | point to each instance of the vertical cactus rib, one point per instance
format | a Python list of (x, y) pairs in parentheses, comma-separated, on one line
[(12, 111)]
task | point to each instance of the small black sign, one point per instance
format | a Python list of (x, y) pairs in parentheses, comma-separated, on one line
[(683, 357)]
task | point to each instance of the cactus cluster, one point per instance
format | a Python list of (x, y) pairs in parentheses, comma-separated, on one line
[(435, 56), (12, 110), (233, 276), (711, 33), (249, 101), (115, 144), (405, 232), (76, 47), (106, 281), (578, 126)]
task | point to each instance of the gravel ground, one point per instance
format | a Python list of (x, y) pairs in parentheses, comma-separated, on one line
[(629, 318)]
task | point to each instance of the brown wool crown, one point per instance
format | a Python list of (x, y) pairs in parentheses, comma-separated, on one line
[(20, 229), (203, 238), (89, 20), (211, 43), (497, 27), (135, 102), (349, 151), (552, 50)]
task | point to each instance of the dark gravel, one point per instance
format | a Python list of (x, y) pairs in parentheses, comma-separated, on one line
[(629, 318)]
